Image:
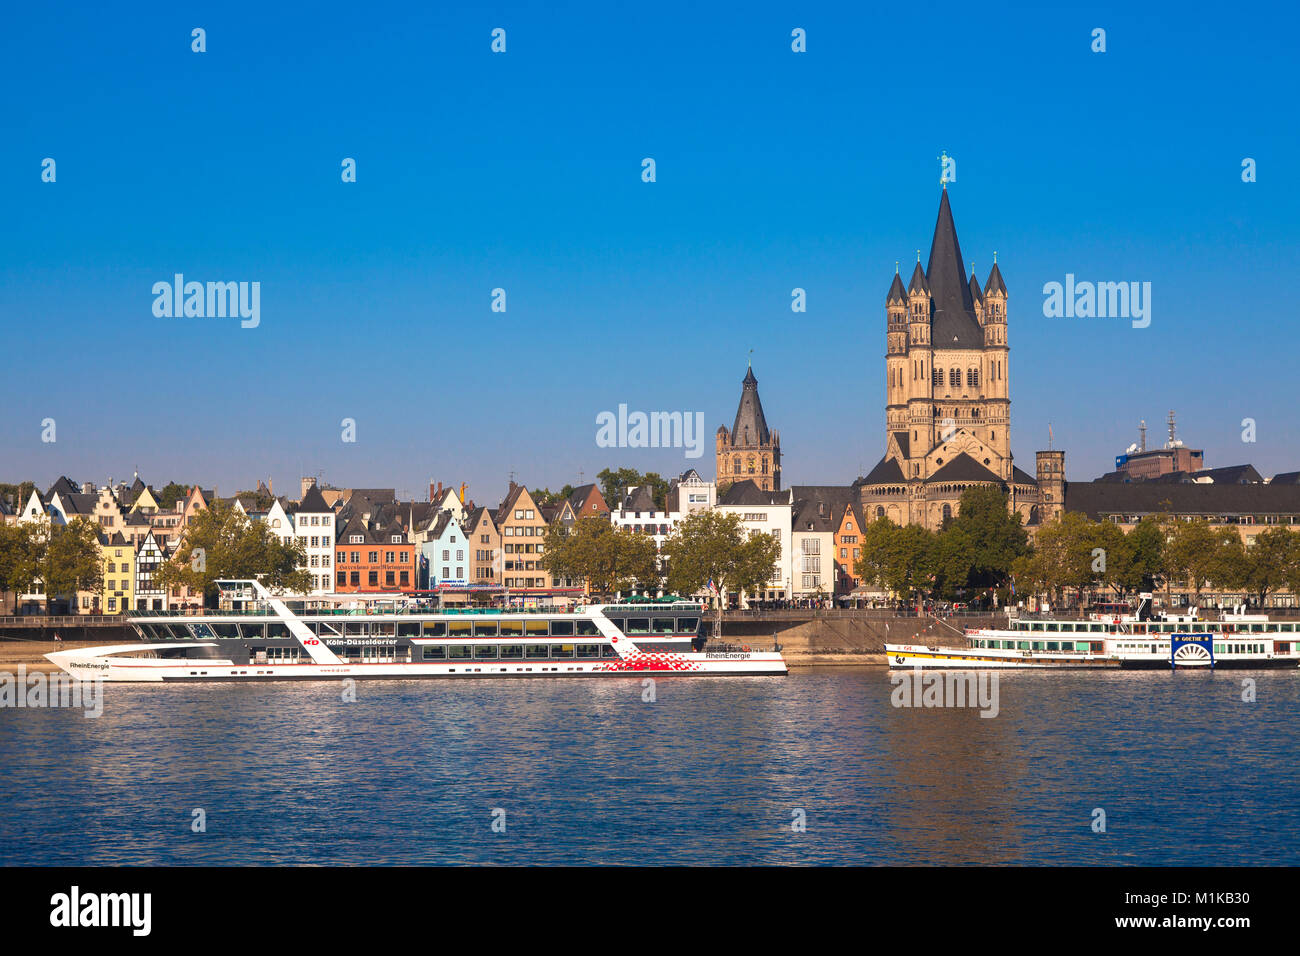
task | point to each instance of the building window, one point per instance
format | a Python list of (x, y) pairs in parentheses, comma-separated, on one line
[(937, 378), (954, 377), (972, 377)]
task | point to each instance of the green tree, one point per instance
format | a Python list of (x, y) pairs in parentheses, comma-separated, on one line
[(171, 494), (1193, 554), (904, 560), (609, 559), (987, 537), (21, 549), (715, 546), (18, 493), (1265, 566), (614, 483), (544, 496), (1062, 557), (222, 543)]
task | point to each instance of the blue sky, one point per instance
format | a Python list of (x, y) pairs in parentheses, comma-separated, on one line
[(476, 170)]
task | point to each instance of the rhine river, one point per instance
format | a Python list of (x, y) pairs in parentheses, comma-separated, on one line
[(713, 771)]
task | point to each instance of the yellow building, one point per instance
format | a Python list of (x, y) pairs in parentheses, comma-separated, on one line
[(117, 563)]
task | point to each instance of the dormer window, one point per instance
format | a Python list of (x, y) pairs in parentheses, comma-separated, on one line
[(397, 539), (357, 539)]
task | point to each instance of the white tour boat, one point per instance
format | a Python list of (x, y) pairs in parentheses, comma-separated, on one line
[(1139, 640), (256, 636)]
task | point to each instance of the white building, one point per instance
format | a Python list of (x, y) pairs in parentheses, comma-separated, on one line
[(768, 512), (314, 529)]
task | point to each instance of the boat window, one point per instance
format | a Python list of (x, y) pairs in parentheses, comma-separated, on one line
[(485, 629), (587, 628), (607, 651), (588, 650), (535, 628), (537, 651), (688, 625), (1038, 645), (638, 625), (435, 652), (435, 628), (1287, 628), (1053, 646), (485, 652), (561, 650), (662, 625), (1053, 628), (225, 630), (458, 628), (408, 629), (512, 652), (458, 652), (255, 631), (562, 628), (618, 622), (1256, 628), (1024, 645), (512, 628)]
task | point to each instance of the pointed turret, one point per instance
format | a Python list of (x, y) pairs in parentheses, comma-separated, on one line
[(995, 283), (896, 291), (976, 295), (919, 282)]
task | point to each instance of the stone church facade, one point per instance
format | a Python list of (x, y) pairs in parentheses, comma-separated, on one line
[(948, 397)]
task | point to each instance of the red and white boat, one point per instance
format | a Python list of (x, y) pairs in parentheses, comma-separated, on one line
[(259, 636)]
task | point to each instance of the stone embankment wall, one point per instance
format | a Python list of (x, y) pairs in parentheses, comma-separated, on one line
[(848, 637)]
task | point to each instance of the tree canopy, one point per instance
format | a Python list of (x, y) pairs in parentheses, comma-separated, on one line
[(715, 546), (608, 558), (220, 542)]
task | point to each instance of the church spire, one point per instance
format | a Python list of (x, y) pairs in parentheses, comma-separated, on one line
[(955, 325)]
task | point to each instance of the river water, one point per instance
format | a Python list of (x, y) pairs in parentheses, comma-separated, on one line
[(816, 768)]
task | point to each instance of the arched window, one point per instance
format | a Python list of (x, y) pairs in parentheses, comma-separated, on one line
[(765, 465), (954, 377), (937, 379), (880, 511), (972, 377), (735, 465), (947, 513), (751, 464)]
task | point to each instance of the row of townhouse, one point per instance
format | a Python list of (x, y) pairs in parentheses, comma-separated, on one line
[(135, 535)]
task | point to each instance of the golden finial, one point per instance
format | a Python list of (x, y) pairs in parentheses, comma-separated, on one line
[(895, 267)]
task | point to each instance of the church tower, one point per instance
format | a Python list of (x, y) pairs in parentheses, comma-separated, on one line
[(749, 452), (947, 392)]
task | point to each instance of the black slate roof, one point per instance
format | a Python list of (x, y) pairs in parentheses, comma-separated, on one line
[(964, 468), (887, 471), (953, 324), (750, 427), (896, 291), (1097, 499)]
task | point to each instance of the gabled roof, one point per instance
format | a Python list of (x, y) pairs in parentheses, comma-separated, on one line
[(64, 485), (747, 492), (975, 293), (640, 498), (1286, 478), (954, 324), (750, 426), (964, 468), (887, 471), (1021, 477), (904, 443), (78, 504), (820, 507), (919, 282), (313, 503)]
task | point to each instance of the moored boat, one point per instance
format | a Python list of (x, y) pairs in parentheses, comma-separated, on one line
[(1138, 640), (257, 636)]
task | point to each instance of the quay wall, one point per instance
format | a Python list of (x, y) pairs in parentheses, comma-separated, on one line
[(848, 637)]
